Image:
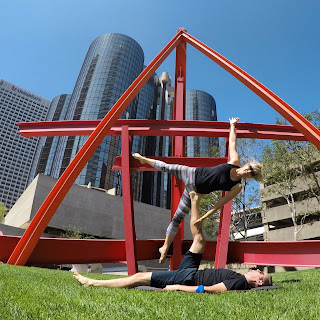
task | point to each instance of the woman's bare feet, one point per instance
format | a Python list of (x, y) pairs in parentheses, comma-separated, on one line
[(83, 280), (139, 157), (163, 254)]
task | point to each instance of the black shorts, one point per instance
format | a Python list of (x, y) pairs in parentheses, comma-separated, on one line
[(184, 275)]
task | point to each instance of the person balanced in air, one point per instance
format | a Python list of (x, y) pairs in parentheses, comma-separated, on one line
[(188, 278), (204, 180)]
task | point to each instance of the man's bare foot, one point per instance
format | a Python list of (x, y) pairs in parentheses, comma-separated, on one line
[(163, 254), (83, 280), (139, 157)]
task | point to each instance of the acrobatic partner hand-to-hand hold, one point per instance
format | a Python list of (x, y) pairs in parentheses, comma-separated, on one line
[(188, 278), (204, 180)]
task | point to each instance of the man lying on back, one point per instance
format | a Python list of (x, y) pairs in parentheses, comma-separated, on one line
[(188, 278)]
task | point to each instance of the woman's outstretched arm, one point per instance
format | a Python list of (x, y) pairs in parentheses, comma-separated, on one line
[(234, 156), (228, 197)]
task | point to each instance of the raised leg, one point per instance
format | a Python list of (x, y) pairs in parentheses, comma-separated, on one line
[(199, 241), (187, 176), (138, 279), (182, 210)]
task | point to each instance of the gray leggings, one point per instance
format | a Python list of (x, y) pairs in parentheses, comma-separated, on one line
[(187, 176)]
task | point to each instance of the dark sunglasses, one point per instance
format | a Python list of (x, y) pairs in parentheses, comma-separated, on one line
[(251, 171)]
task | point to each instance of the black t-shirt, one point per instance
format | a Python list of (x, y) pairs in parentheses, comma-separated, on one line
[(210, 179), (231, 279)]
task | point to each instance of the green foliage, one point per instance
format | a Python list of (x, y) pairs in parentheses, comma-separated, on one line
[(3, 211), (33, 293), (285, 161), (211, 225), (75, 234)]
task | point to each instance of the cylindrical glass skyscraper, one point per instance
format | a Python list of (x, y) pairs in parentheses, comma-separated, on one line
[(112, 63), (200, 105)]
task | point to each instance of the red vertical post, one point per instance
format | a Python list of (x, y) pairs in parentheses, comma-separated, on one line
[(128, 213), (178, 145), (224, 228)]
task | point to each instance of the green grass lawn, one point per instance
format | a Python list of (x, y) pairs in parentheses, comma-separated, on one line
[(34, 293)]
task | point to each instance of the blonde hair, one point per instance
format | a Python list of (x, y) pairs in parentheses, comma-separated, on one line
[(257, 169)]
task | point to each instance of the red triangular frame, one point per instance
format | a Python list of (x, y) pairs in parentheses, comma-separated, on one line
[(37, 226)]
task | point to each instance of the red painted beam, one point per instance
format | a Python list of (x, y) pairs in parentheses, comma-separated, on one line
[(135, 165), (161, 128), (276, 253), (68, 251)]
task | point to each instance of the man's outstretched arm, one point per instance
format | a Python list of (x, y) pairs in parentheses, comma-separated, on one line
[(217, 288)]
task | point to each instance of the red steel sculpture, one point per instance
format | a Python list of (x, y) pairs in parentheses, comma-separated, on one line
[(28, 248)]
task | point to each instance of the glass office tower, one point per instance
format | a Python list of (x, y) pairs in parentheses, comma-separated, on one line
[(200, 105), (49, 151), (156, 189), (17, 152), (147, 102), (112, 63)]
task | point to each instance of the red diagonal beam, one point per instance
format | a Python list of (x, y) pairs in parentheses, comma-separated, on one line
[(294, 117), (31, 236), (162, 128)]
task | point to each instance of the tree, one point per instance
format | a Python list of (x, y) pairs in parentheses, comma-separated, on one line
[(211, 225), (282, 180), (290, 171), (3, 211)]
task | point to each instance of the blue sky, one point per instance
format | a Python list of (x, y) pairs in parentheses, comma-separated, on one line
[(43, 45)]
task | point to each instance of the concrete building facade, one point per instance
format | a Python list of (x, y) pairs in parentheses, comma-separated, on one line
[(88, 211), (277, 215)]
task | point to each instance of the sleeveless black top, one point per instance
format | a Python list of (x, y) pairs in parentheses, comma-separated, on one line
[(210, 179)]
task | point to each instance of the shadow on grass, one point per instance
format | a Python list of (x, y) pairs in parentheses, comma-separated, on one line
[(289, 281)]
